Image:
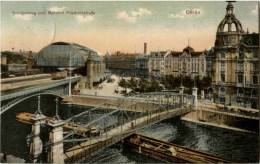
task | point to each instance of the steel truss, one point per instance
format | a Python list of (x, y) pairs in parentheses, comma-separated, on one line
[(111, 121)]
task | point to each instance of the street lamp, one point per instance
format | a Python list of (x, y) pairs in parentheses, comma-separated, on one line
[(70, 69)]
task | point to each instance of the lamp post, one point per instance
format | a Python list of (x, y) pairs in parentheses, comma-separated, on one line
[(70, 70)]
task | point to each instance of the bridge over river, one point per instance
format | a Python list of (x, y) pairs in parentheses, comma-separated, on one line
[(114, 122), (59, 88), (147, 109), (115, 117)]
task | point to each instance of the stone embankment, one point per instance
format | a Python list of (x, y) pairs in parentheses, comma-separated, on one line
[(242, 121)]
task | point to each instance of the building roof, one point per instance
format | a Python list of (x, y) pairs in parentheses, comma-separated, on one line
[(158, 53), (120, 54), (141, 56), (58, 54), (230, 19), (188, 49), (196, 53), (251, 39), (13, 58)]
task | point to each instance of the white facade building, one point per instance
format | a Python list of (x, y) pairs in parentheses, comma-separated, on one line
[(156, 63), (188, 63)]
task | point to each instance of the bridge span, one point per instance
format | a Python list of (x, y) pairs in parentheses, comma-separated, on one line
[(58, 88), (143, 101), (92, 145), (113, 119), (111, 124), (148, 108), (122, 116)]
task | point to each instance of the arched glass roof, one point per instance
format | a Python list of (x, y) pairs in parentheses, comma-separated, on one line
[(58, 54)]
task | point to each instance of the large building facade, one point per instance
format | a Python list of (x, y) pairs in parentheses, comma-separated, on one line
[(235, 64), (209, 57), (156, 63), (141, 65), (62, 55), (188, 62), (122, 63)]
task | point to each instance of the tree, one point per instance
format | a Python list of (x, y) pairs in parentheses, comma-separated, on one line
[(171, 82), (132, 83), (188, 83), (122, 83), (143, 85), (206, 81), (154, 86)]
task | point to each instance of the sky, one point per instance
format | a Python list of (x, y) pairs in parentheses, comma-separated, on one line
[(118, 26)]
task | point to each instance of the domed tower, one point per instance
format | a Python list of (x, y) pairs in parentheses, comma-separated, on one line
[(230, 30), (224, 77)]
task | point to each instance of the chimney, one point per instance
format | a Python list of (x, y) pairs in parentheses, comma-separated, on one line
[(145, 48)]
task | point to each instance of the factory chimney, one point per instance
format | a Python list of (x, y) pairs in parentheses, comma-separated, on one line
[(145, 48)]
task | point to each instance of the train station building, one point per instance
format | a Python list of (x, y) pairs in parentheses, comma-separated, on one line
[(84, 61)]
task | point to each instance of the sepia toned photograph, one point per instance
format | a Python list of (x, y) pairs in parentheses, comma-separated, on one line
[(129, 82)]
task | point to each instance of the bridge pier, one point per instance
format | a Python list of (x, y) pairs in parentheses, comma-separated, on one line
[(36, 144), (56, 139)]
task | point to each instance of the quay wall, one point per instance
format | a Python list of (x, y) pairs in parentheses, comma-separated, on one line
[(223, 120)]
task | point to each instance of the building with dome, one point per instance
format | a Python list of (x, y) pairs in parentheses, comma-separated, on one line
[(235, 63), (61, 55), (188, 62)]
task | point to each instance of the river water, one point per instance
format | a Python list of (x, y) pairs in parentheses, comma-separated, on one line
[(230, 144)]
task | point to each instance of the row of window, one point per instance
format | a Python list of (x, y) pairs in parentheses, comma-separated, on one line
[(240, 54), (240, 92), (240, 78), (254, 104), (240, 66)]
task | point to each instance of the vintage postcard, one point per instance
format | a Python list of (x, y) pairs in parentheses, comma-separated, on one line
[(129, 82)]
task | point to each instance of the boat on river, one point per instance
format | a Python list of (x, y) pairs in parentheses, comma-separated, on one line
[(25, 117), (169, 152)]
